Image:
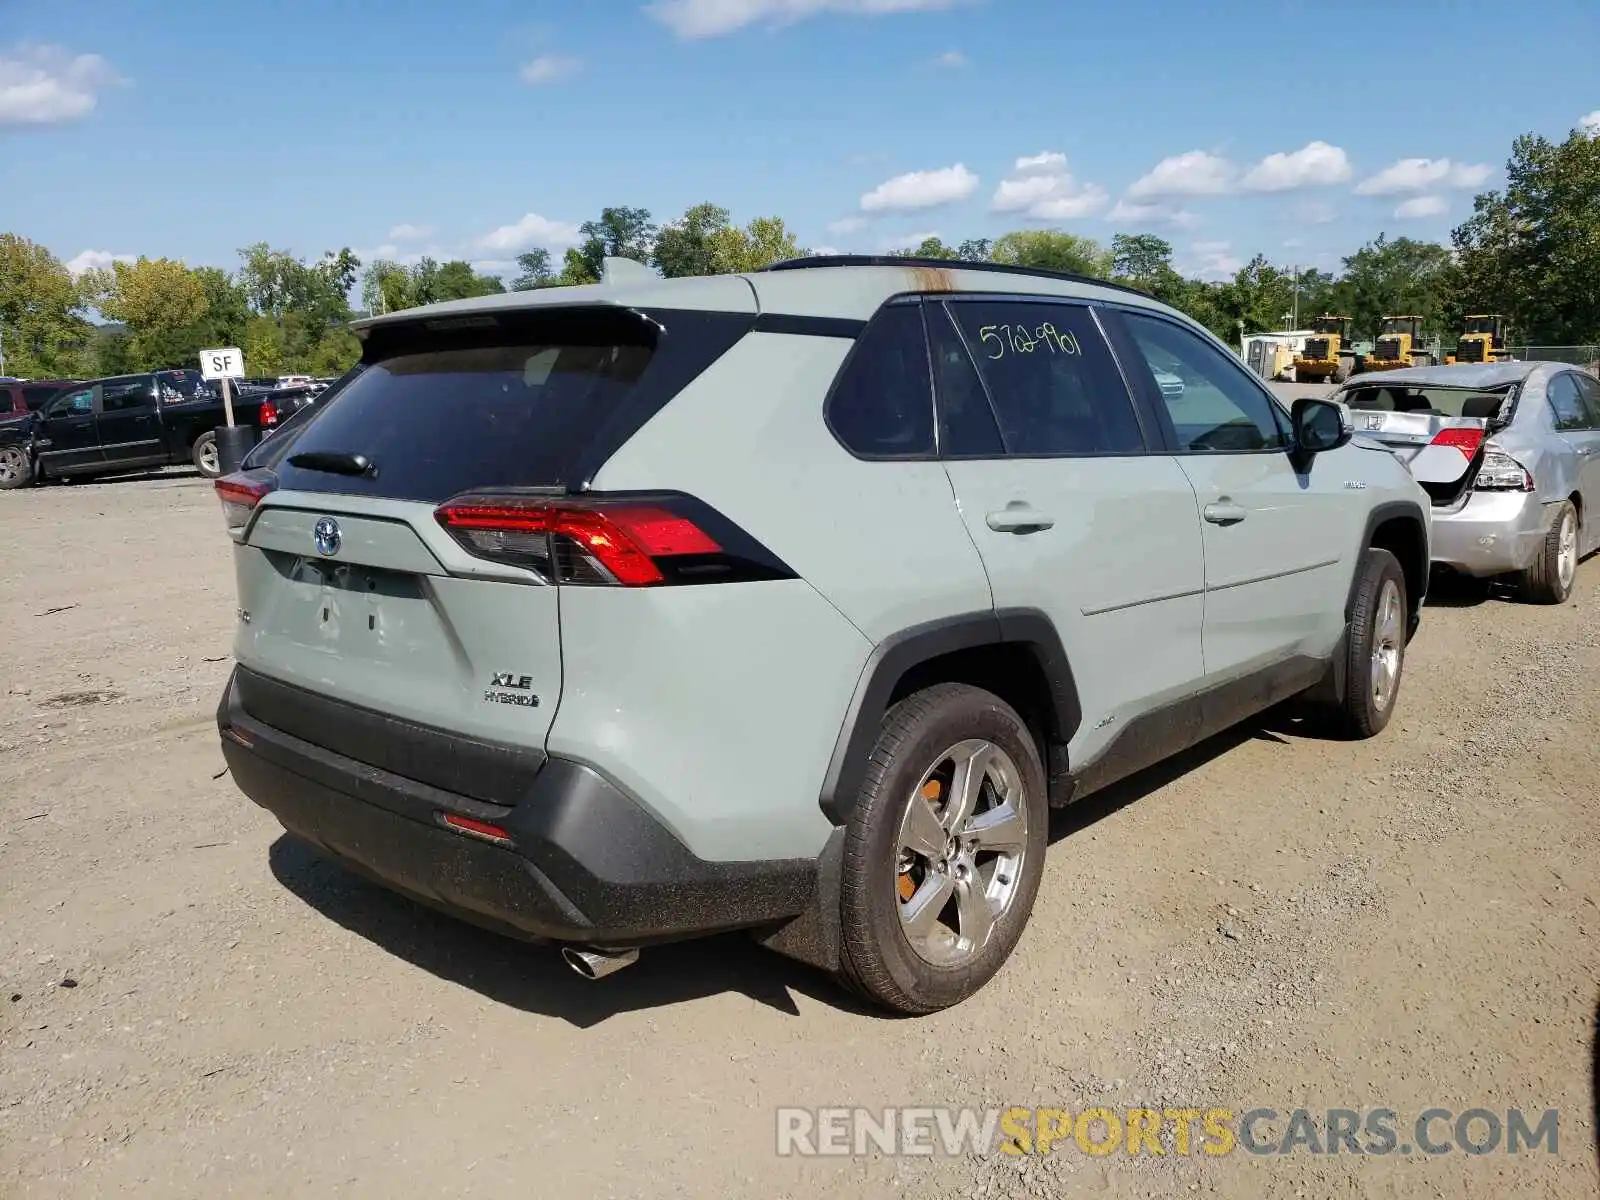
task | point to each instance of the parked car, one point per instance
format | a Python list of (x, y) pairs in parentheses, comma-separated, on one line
[(788, 602), (126, 423), (1509, 453)]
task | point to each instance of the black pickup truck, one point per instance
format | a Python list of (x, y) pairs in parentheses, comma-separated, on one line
[(126, 423)]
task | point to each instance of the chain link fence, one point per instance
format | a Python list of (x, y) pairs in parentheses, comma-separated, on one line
[(1578, 356)]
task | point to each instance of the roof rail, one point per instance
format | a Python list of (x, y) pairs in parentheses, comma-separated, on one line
[(947, 264)]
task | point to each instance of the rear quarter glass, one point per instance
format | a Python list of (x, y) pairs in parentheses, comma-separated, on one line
[(523, 400)]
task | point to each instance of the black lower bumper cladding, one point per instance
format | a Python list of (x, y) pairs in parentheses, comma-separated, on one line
[(584, 863)]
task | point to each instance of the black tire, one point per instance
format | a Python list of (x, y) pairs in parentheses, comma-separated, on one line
[(877, 957), (1547, 582), (16, 467), (204, 455), (1364, 710)]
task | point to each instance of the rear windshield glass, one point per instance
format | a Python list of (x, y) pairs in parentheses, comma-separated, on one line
[(1433, 401), (440, 415)]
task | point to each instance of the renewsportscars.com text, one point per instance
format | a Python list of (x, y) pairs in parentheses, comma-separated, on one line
[(1160, 1131)]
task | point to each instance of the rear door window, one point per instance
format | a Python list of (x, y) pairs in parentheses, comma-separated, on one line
[(520, 400), (1590, 391), (1051, 378), (1566, 403)]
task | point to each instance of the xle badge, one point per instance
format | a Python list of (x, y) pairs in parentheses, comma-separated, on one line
[(506, 688)]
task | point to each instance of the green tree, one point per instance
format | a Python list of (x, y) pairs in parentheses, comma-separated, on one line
[(762, 242), (575, 269), (42, 323), (686, 246), (619, 233), (929, 247), (1394, 278), (159, 300), (535, 271), (1532, 251), (1053, 250), (1140, 258), (975, 250)]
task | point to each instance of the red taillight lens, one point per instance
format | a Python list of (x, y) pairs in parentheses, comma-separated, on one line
[(475, 828), (566, 542), (269, 414), (1467, 441), (239, 495)]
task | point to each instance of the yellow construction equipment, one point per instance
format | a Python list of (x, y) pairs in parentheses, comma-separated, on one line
[(1483, 339), (1328, 353), (1399, 345)]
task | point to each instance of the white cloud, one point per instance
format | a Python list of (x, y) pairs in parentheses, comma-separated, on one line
[(951, 59), (1421, 206), (1292, 243), (44, 85), (1590, 123), (550, 68), (1048, 162), (410, 233), (89, 260), (1313, 165), (1315, 212), (492, 266), (847, 225), (714, 18), (825, 251), (908, 241), (921, 189), (1420, 174), (531, 230), (1152, 212), (1213, 261), (1041, 187), (1197, 173)]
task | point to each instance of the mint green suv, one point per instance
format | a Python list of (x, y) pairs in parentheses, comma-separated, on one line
[(788, 602)]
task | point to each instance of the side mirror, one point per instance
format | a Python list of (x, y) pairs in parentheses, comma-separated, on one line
[(1319, 426)]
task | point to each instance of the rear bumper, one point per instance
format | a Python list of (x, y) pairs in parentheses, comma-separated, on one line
[(1491, 534), (585, 862)]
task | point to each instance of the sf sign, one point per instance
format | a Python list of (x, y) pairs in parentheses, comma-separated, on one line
[(222, 364)]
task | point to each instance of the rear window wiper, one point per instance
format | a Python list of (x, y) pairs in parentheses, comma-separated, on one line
[(334, 462)]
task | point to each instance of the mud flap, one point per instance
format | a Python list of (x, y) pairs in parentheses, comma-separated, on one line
[(814, 936)]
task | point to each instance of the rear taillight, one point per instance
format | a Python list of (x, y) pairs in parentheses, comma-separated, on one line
[(1466, 440), (269, 414), (608, 542), (239, 495), (1502, 473)]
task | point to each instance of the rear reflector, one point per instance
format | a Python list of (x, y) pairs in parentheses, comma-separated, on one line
[(617, 544), (475, 828), (1467, 440), (240, 494)]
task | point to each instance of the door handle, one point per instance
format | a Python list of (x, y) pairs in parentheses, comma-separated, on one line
[(1223, 512), (1018, 518)]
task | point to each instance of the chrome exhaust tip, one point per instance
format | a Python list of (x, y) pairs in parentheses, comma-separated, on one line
[(595, 962)]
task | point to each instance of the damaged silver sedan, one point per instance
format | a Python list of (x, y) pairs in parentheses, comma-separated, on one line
[(1509, 453)]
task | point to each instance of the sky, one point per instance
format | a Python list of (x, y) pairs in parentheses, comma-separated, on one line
[(483, 128)]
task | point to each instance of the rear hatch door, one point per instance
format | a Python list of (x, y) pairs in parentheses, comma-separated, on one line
[(349, 586)]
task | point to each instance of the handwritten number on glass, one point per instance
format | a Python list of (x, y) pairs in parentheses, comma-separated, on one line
[(1000, 340)]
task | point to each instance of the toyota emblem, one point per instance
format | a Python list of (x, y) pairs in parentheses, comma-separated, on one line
[(327, 536)]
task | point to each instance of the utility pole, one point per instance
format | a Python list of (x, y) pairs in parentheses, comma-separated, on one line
[(1296, 269)]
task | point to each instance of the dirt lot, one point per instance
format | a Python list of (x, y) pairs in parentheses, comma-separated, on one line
[(191, 1005)]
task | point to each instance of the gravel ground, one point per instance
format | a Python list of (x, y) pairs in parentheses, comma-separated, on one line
[(192, 1005)]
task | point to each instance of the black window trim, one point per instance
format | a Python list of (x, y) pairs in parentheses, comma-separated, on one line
[(1149, 434), (1123, 344), (901, 300)]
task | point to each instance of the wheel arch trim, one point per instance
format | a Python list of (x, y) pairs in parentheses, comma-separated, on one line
[(900, 652)]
